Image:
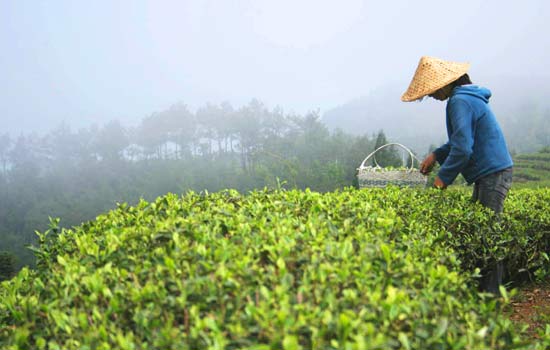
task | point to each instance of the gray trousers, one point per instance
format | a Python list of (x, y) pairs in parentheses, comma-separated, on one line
[(491, 192), (492, 189)]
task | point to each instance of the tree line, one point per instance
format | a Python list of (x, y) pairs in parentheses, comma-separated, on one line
[(77, 174)]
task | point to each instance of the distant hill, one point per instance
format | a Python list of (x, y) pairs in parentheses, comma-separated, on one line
[(417, 125), (521, 105), (533, 169)]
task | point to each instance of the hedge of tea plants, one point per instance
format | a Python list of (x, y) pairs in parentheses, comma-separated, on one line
[(354, 269)]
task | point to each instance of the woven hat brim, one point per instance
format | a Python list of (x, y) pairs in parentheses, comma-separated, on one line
[(426, 82)]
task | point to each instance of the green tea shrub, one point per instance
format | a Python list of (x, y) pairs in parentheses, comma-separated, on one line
[(355, 269), (520, 236)]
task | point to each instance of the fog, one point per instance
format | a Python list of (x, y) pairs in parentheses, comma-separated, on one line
[(92, 62), (109, 102)]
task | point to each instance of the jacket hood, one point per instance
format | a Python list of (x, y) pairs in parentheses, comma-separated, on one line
[(473, 90)]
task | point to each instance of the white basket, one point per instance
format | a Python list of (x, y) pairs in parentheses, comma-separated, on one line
[(377, 176)]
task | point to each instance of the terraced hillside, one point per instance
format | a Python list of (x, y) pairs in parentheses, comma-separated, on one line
[(532, 170)]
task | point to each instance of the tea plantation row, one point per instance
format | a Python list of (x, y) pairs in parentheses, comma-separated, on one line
[(356, 269), (531, 170)]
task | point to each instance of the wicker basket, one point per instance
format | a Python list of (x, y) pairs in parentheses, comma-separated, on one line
[(377, 176)]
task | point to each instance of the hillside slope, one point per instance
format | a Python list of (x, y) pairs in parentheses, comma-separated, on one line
[(532, 169)]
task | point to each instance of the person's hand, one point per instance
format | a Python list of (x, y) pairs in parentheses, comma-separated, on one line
[(427, 164), (438, 183)]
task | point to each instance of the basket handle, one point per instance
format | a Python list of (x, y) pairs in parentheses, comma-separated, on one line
[(413, 157)]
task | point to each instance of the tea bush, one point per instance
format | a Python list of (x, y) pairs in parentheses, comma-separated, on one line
[(355, 269)]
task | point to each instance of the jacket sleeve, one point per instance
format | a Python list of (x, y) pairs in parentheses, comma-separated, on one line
[(442, 152), (461, 141)]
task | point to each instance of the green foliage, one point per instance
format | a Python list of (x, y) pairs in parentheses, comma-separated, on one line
[(78, 175), (7, 265), (386, 157), (532, 170), (353, 269)]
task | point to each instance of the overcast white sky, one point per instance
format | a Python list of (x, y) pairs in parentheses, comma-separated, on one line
[(93, 61)]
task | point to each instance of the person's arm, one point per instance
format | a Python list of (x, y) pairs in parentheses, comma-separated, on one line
[(426, 167), (442, 152), (439, 155), (461, 142)]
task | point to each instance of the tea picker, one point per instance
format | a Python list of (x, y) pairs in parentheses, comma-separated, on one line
[(476, 147)]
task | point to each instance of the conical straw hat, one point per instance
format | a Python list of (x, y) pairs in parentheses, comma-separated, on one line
[(431, 75)]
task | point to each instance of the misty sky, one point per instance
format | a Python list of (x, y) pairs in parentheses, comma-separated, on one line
[(93, 61)]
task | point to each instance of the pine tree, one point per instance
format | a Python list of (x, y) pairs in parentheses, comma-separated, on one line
[(7, 265), (388, 156)]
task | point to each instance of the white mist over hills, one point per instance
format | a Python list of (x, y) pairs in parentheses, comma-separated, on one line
[(521, 105), (86, 62)]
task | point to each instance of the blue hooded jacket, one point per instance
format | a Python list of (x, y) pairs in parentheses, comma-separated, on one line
[(476, 145)]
